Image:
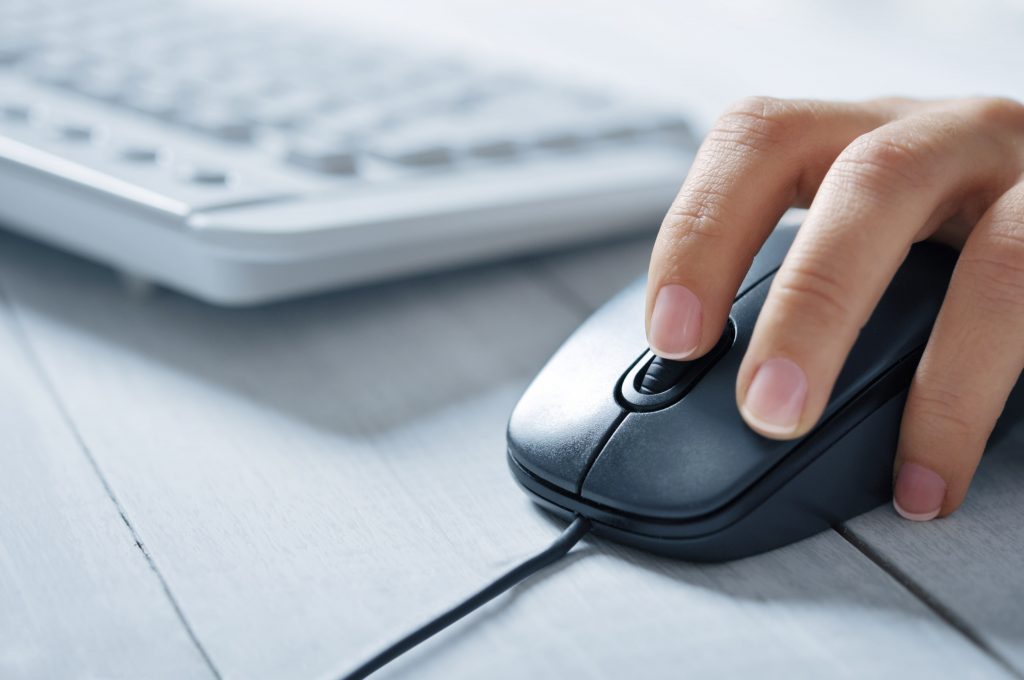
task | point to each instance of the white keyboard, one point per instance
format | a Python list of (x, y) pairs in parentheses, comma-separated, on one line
[(242, 161)]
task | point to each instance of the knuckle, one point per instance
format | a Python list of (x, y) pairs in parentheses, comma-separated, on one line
[(876, 162), (758, 124), (815, 290), (998, 110), (696, 215), (942, 412), (997, 266)]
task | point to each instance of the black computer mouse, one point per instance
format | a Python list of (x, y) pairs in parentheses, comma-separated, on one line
[(656, 455)]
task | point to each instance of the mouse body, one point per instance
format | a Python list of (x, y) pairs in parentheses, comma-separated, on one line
[(656, 455)]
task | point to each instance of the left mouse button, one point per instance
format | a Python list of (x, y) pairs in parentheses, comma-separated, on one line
[(566, 414), (556, 442)]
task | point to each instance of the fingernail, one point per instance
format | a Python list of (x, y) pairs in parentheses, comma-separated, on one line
[(918, 492), (675, 322), (775, 398)]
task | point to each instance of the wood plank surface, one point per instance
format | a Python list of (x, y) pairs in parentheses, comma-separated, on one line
[(315, 477), (970, 564), (78, 598)]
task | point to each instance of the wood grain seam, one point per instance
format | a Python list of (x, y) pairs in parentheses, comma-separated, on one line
[(940, 610), (561, 292), (35, 364)]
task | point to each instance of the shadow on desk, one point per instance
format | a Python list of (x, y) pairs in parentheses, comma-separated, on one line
[(357, 361)]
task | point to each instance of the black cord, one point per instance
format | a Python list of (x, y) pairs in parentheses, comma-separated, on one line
[(579, 528)]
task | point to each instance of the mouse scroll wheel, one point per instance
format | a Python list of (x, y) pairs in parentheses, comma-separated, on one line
[(661, 374), (652, 383)]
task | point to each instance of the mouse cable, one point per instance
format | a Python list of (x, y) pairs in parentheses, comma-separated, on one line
[(572, 534)]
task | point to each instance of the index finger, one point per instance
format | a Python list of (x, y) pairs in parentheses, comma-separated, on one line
[(761, 158)]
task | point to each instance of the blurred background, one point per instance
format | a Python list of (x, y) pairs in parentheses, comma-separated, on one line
[(244, 152), (703, 55)]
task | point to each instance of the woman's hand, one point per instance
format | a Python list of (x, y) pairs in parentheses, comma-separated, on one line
[(877, 176)]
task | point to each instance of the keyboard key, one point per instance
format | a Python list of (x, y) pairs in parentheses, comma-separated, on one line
[(11, 52), (626, 124), (539, 120), (556, 139), (355, 122), (15, 112), (279, 114), (157, 102), (220, 124), (71, 58), (414, 153), (76, 132), (423, 144), (55, 76), (493, 148), (484, 139), (107, 85), (139, 153), (675, 124), (208, 176), (323, 157), (250, 88)]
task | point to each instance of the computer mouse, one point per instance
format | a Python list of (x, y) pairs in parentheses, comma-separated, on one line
[(654, 452)]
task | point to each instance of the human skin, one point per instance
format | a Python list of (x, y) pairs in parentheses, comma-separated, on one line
[(877, 176)]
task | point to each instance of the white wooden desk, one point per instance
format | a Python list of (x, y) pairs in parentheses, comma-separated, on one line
[(189, 492)]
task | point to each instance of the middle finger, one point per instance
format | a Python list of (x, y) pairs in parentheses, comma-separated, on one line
[(890, 187)]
